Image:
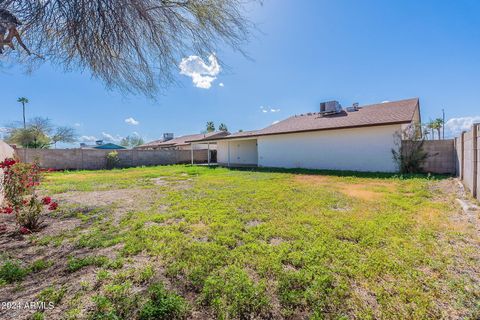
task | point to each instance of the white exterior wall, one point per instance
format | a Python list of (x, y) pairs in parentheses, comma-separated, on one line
[(242, 152), (358, 149)]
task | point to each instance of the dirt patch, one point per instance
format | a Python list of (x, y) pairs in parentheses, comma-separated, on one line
[(359, 192), (103, 198), (367, 190), (159, 181), (313, 179), (276, 241), (253, 223)]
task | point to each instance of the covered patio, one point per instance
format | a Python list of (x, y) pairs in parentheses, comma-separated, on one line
[(235, 150)]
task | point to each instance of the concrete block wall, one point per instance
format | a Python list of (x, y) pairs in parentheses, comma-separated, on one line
[(468, 154), (441, 156), (93, 159), (468, 159), (477, 172)]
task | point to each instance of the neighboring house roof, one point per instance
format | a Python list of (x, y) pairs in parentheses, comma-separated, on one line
[(183, 140), (241, 134), (396, 112), (108, 146)]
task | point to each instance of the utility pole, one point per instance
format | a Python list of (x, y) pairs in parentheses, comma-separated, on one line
[(443, 125)]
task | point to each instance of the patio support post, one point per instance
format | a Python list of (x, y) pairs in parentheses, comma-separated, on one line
[(191, 150), (228, 144), (208, 147)]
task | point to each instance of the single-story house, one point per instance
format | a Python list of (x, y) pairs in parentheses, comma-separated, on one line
[(359, 138), (99, 144), (182, 143)]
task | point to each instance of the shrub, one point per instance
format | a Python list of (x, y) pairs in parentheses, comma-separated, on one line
[(40, 264), (117, 302), (408, 153), (20, 181), (74, 264), (12, 272), (163, 305), (52, 295), (37, 316), (112, 160)]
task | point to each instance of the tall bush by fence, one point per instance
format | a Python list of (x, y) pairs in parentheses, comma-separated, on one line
[(441, 156), (94, 159), (467, 159)]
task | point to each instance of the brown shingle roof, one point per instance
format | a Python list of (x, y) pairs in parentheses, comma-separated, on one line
[(377, 114), (183, 140), (402, 111)]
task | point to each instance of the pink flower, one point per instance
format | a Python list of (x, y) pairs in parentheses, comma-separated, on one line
[(25, 230), (7, 210), (46, 201), (7, 163), (53, 206)]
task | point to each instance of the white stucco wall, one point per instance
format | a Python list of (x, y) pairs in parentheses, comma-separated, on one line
[(358, 149), (242, 152)]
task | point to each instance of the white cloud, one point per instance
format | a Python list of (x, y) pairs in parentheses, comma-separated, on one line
[(221, 84), (202, 74), (455, 126), (269, 109), (132, 121), (77, 124), (109, 137), (88, 138), (135, 133)]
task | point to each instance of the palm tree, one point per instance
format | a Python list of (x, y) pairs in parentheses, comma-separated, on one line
[(223, 127), (23, 101), (431, 126), (426, 132), (438, 125), (210, 126)]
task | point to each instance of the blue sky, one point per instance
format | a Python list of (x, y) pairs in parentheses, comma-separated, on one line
[(306, 52)]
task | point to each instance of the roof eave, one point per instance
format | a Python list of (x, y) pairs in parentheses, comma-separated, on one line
[(313, 130)]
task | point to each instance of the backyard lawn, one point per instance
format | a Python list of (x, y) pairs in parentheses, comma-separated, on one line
[(194, 242)]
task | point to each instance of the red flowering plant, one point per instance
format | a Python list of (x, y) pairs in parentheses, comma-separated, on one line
[(20, 181)]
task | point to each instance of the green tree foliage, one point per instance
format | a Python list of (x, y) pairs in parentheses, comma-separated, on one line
[(408, 152), (39, 133), (210, 126), (437, 124), (132, 141), (223, 127)]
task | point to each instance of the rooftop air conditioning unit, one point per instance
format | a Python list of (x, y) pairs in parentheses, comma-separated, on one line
[(330, 107), (99, 142), (167, 136), (354, 107)]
